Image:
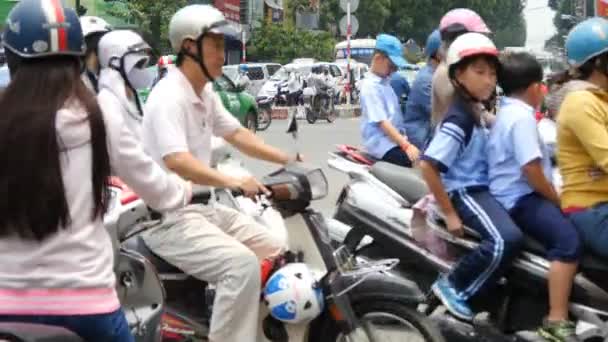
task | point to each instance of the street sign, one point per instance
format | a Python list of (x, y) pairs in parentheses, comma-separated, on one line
[(354, 4), (344, 25)]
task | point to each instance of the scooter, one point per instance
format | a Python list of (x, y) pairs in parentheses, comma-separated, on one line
[(319, 101), (354, 293), (378, 203)]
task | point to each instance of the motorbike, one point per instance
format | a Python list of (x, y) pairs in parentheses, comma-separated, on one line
[(319, 101), (378, 203), (354, 293)]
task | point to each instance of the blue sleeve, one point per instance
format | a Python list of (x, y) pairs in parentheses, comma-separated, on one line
[(426, 93), (447, 144), (372, 104), (525, 140)]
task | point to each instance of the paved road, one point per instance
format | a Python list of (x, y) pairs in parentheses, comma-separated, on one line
[(314, 142)]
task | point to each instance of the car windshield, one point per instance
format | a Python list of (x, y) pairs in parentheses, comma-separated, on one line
[(280, 75)]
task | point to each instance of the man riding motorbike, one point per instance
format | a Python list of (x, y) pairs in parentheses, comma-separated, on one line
[(211, 242), (582, 134), (93, 28)]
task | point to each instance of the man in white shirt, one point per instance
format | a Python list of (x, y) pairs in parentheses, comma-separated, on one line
[(213, 243)]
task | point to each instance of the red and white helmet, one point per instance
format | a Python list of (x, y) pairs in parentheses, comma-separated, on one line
[(463, 19), (468, 45)]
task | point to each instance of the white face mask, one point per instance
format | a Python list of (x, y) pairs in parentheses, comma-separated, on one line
[(140, 78)]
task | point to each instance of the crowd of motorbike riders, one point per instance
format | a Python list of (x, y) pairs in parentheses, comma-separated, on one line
[(73, 111), (483, 159)]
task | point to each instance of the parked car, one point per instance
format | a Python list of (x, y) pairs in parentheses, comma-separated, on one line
[(258, 73)]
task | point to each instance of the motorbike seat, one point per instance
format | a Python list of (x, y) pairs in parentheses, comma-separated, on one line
[(138, 244), (26, 332), (356, 155), (406, 182)]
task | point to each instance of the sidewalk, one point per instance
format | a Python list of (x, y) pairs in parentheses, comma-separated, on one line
[(344, 111)]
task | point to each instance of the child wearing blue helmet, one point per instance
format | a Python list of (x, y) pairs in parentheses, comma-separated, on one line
[(582, 135)]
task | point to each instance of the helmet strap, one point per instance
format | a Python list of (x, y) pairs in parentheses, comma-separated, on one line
[(199, 57)]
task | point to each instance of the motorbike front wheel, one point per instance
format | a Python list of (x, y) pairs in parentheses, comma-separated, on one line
[(385, 320), (264, 118), (311, 117)]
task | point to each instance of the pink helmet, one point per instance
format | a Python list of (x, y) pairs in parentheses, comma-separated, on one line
[(463, 19)]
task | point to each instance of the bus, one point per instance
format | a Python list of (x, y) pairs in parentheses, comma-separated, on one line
[(361, 50)]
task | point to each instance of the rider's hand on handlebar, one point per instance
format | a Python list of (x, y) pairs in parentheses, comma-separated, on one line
[(251, 187), (454, 224)]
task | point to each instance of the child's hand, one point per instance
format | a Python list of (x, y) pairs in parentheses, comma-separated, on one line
[(454, 225), (412, 152)]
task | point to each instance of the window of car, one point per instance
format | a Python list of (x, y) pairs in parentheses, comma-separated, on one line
[(335, 71), (255, 73), (273, 68)]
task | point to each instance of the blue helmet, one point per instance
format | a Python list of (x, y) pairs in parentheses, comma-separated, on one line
[(40, 28), (586, 40), (243, 68), (433, 42)]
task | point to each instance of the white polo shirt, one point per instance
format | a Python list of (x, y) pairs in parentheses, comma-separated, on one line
[(177, 120)]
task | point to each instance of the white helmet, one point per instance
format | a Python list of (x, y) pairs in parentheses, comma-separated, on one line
[(123, 48), (127, 53), (292, 294), (192, 21), (470, 44), (92, 25)]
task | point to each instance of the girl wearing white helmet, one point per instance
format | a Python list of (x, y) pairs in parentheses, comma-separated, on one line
[(213, 243), (93, 28), (124, 57), (456, 171), (58, 150)]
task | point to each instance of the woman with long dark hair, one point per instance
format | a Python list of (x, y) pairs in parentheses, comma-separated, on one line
[(57, 151)]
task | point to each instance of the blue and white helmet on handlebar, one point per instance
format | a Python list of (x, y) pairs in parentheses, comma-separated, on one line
[(586, 40), (243, 68), (293, 295), (41, 28)]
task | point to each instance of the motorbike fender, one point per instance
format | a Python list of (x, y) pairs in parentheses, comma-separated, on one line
[(388, 285)]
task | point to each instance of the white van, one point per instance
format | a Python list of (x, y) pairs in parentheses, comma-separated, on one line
[(258, 73)]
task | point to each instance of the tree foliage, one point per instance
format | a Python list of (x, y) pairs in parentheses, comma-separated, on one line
[(416, 19), (152, 16), (283, 43)]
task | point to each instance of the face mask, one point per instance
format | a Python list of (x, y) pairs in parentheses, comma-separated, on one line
[(140, 78)]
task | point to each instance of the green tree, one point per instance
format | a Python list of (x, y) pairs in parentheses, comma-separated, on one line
[(416, 19), (283, 43), (152, 16)]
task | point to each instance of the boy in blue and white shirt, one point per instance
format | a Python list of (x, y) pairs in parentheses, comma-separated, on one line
[(520, 173), (380, 110)]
